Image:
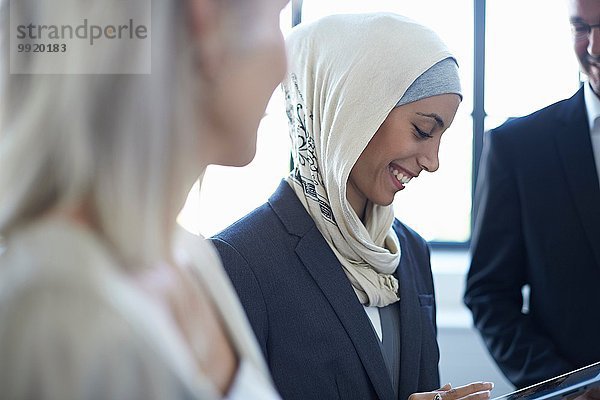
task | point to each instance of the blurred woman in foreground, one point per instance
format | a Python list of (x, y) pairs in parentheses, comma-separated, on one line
[(101, 296)]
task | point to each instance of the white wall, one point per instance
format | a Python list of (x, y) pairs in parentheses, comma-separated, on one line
[(464, 357)]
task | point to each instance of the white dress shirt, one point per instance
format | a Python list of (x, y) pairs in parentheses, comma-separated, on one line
[(375, 318), (592, 105)]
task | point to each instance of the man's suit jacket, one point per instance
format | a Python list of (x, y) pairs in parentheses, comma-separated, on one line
[(315, 334), (538, 224)]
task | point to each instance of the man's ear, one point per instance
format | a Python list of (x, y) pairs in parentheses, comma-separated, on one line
[(205, 25)]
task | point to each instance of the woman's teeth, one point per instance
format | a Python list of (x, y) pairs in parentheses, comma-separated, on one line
[(404, 179)]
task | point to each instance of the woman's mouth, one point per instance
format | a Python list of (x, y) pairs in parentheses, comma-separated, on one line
[(399, 177)]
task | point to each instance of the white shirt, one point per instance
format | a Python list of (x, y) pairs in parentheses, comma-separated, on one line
[(592, 105), (375, 318)]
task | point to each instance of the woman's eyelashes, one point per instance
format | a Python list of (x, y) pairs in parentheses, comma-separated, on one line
[(421, 134)]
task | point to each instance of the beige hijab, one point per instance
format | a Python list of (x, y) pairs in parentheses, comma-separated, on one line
[(346, 73)]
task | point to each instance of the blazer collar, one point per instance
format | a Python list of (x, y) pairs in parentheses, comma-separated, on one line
[(574, 145), (327, 272)]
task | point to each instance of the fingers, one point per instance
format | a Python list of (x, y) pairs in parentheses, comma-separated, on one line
[(472, 391), (485, 395)]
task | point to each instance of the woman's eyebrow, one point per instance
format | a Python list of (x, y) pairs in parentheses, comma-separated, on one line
[(436, 117)]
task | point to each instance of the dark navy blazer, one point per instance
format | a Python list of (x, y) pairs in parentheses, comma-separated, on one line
[(313, 331), (538, 224)]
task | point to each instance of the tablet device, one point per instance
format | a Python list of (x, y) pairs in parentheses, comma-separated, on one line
[(568, 385)]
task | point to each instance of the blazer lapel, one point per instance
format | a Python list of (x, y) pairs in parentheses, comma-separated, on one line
[(325, 269), (327, 272), (410, 327), (575, 148)]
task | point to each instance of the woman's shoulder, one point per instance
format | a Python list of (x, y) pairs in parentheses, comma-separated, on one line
[(259, 221), (51, 254), (67, 314), (70, 342), (202, 257)]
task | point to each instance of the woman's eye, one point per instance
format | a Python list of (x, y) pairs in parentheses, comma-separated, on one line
[(422, 134)]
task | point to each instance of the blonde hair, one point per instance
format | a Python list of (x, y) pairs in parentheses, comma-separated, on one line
[(125, 147)]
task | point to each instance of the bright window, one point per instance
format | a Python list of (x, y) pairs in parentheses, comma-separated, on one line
[(529, 58)]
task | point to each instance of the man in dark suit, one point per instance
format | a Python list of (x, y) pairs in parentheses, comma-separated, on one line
[(537, 223)]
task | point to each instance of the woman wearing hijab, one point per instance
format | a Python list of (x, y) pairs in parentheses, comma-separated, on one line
[(338, 292), (101, 296)]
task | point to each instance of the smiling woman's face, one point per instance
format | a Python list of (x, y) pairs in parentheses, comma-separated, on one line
[(406, 143)]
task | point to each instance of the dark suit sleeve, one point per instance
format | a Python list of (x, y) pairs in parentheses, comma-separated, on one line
[(499, 271), (248, 289)]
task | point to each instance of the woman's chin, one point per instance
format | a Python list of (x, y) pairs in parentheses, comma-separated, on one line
[(240, 158)]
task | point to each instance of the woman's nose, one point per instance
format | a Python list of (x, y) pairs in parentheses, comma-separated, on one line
[(429, 160)]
